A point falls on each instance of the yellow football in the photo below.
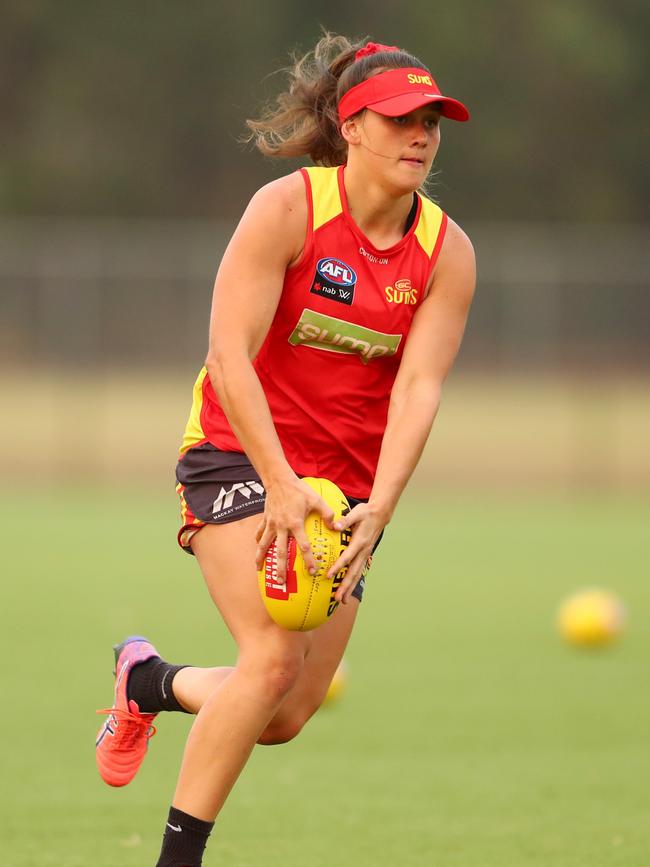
(307, 601)
(591, 618)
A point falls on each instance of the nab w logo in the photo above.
(334, 280)
(227, 498)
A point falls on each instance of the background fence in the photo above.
(104, 324)
(98, 293)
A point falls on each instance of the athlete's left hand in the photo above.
(367, 523)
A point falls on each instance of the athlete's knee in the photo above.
(274, 672)
(286, 726)
(280, 675)
(283, 732)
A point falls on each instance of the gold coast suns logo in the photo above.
(401, 293)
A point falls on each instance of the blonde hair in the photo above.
(304, 119)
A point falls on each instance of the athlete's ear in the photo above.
(350, 129)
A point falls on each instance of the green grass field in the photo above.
(469, 735)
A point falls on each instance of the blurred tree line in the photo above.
(136, 108)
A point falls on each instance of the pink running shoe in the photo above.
(122, 741)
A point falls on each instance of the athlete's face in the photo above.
(403, 146)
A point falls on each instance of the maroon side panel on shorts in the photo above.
(220, 486)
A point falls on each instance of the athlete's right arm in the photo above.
(268, 239)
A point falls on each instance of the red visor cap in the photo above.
(397, 92)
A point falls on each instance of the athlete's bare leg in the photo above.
(192, 686)
(326, 651)
(242, 701)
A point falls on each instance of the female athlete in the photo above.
(338, 310)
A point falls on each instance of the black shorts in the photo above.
(218, 487)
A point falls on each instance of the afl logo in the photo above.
(336, 271)
(335, 280)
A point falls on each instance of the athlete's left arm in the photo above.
(432, 345)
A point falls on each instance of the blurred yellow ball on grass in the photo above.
(338, 685)
(591, 618)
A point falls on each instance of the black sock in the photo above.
(150, 686)
(184, 840)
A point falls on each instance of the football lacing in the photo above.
(322, 548)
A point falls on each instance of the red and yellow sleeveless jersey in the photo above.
(330, 358)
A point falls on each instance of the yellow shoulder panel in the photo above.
(193, 430)
(428, 227)
(325, 194)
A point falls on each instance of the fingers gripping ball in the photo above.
(307, 601)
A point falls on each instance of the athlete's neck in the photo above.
(381, 214)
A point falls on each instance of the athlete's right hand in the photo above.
(287, 505)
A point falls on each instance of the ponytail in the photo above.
(304, 120)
